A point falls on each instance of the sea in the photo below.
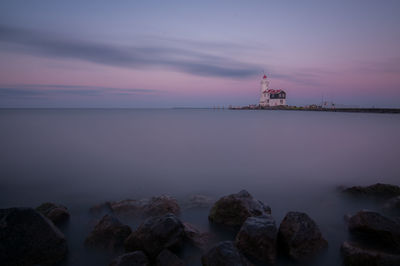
(290, 160)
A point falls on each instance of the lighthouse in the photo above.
(270, 97)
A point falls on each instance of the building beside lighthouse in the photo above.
(271, 97)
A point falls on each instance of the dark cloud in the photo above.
(38, 90)
(188, 60)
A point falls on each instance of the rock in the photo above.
(195, 237)
(156, 206)
(101, 209)
(393, 205)
(56, 213)
(198, 201)
(379, 191)
(108, 234)
(156, 234)
(355, 255)
(234, 209)
(299, 236)
(224, 254)
(376, 229)
(28, 238)
(167, 258)
(257, 238)
(161, 205)
(136, 258)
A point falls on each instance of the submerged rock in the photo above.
(379, 191)
(56, 213)
(156, 234)
(108, 234)
(224, 254)
(28, 238)
(195, 237)
(299, 236)
(355, 255)
(136, 258)
(257, 238)
(167, 258)
(234, 209)
(376, 229)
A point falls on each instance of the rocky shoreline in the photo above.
(31, 236)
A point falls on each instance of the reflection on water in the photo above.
(290, 160)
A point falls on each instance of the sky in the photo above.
(139, 54)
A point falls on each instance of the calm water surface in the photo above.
(290, 160)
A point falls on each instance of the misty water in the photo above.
(291, 160)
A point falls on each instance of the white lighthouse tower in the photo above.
(264, 91)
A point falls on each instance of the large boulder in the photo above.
(299, 236)
(28, 238)
(224, 254)
(195, 237)
(234, 209)
(56, 213)
(109, 233)
(355, 255)
(136, 258)
(156, 234)
(167, 258)
(376, 229)
(379, 191)
(257, 238)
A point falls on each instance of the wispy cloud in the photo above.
(191, 59)
(39, 90)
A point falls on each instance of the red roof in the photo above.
(265, 76)
(274, 91)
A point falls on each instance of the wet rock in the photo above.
(167, 258)
(109, 233)
(161, 205)
(355, 255)
(195, 237)
(198, 201)
(56, 213)
(28, 238)
(156, 234)
(137, 258)
(224, 254)
(128, 207)
(257, 238)
(376, 229)
(234, 209)
(393, 205)
(379, 191)
(299, 236)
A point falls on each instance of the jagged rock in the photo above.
(380, 191)
(136, 258)
(393, 205)
(377, 229)
(56, 213)
(195, 237)
(156, 234)
(299, 236)
(355, 255)
(161, 205)
(198, 201)
(28, 238)
(257, 238)
(167, 258)
(108, 234)
(234, 209)
(224, 254)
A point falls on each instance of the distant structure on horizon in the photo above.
(271, 97)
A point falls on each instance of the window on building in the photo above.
(281, 101)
